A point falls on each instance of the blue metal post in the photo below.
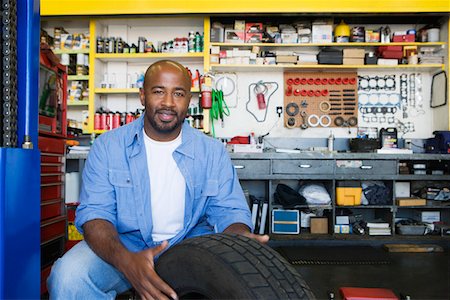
(20, 172)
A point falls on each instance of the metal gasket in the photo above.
(290, 123)
(292, 109)
(328, 120)
(324, 106)
(313, 120)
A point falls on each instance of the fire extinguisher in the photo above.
(206, 92)
(260, 89)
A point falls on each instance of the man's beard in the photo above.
(164, 127)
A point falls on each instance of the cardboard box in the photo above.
(411, 202)
(253, 37)
(285, 221)
(322, 33)
(402, 189)
(234, 36)
(429, 216)
(319, 225)
(287, 59)
(289, 38)
(254, 28)
(372, 36)
(239, 25)
(353, 53)
(407, 38)
(353, 61)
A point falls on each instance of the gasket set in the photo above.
(322, 99)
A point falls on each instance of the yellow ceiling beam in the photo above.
(133, 7)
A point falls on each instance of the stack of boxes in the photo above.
(353, 56)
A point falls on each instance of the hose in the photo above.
(219, 108)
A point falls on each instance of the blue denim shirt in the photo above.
(116, 186)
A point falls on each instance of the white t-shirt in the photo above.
(167, 188)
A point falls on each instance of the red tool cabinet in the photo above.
(52, 144)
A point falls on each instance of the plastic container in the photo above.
(411, 229)
(348, 195)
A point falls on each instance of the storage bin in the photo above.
(348, 195)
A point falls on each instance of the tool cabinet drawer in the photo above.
(53, 228)
(303, 166)
(51, 177)
(51, 209)
(51, 145)
(365, 167)
(252, 166)
(51, 191)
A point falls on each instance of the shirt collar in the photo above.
(187, 136)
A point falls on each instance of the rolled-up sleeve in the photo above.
(97, 196)
(227, 205)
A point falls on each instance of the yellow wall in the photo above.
(111, 7)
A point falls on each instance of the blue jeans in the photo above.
(81, 274)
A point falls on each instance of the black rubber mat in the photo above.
(336, 255)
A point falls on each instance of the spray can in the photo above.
(129, 118)
(97, 121)
(191, 42)
(102, 122)
(330, 142)
(198, 42)
(116, 120)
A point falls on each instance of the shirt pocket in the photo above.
(125, 200)
(210, 188)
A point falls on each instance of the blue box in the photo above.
(285, 221)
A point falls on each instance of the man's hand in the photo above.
(137, 267)
(140, 271)
(243, 229)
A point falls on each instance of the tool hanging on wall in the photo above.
(261, 91)
(227, 83)
(219, 109)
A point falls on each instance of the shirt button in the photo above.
(128, 180)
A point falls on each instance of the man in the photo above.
(147, 186)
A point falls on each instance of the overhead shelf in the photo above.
(127, 90)
(219, 67)
(78, 77)
(78, 103)
(351, 44)
(116, 91)
(71, 51)
(136, 57)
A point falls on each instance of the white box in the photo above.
(322, 33)
(247, 148)
(305, 219)
(430, 216)
(342, 220)
(402, 189)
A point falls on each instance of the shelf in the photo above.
(127, 91)
(71, 51)
(116, 91)
(78, 77)
(138, 57)
(363, 206)
(220, 67)
(436, 44)
(423, 177)
(78, 103)
(99, 131)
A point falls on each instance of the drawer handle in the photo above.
(366, 167)
(239, 167)
(305, 166)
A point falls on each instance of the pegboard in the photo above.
(320, 99)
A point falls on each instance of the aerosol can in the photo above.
(330, 142)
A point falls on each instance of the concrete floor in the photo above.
(419, 275)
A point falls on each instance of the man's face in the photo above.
(166, 96)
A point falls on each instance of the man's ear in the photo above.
(142, 96)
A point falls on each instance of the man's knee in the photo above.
(65, 273)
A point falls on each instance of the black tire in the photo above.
(223, 266)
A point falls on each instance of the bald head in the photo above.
(166, 65)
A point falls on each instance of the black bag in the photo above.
(287, 196)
